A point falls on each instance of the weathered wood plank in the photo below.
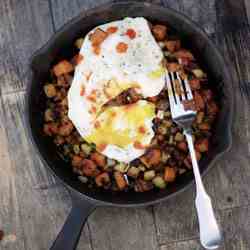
(231, 15)
(63, 11)
(247, 6)
(236, 224)
(187, 245)
(124, 229)
(202, 12)
(24, 27)
(33, 205)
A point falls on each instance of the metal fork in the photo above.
(179, 92)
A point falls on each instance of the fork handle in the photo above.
(210, 235)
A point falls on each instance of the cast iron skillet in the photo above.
(85, 200)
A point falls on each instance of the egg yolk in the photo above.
(123, 125)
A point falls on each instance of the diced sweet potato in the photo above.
(63, 67)
(77, 59)
(159, 32)
(97, 37)
(151, 158)
(202, 145)
(66, 128)
(199, 102)
(204, 126)
(169, 174)
(182, 146)
(102, 179)
(77, 161)
(173, 67)
(99, 159)
(195, 84)
(50, 128)
(183, 53)
(172, 46)
(89, 168)
(120, 180)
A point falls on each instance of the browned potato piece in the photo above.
(120, 180)
(173, 67)
(212, 108)
(172, 46)
(182, 146)
(202, 145)
(89, 168)
(48, 115)
(97, 37)
(151, 158)
(50, 90)
(204, 126)
(183, 53)
(63, 67)
(50, 128)
(59, 140)
(169, 174)
(102, 179)
(207, 95)
(77, 161)
(199, 102)
(195, 84)
(199, 117)
(66, 128)
(159, 32)
(99, 159)
(143, 186)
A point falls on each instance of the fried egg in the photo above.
(127, 57)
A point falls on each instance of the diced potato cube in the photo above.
(159, 182)
(149, 175)
(50, 90)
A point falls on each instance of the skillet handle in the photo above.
(69, 236)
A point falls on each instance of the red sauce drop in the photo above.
(102, 147)
(121, 47)
(112, 29)
(131, 33)
(138, 145)
(142, 130)
(97, 124)
(82, 91)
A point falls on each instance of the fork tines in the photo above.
(180, 95)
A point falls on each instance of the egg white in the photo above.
(141, 65)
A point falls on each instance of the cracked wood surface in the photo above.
(33, 205)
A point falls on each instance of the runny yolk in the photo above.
(124, 127)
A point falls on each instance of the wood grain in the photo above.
(124, 229)
(202, 12)
(24, 27)
(193, 244)
(31, 199)
(33, 205)
(63, 11)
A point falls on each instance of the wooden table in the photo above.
(33, 205)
